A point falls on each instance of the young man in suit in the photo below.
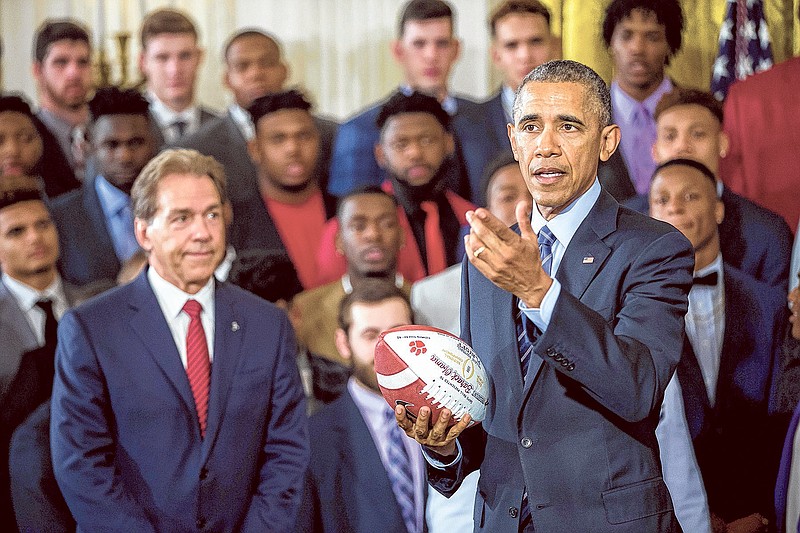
(753, 239)
(290, 210)
(148, 434)
(169, 61)
(365, 474)
(726, 372)
(426, 49)
(641, 36)
(62, 67)
(579, 319)
(254, 67)
(95, 223)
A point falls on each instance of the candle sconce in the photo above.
(104, 66)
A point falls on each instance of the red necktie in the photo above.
(198, 367)
(434, 242)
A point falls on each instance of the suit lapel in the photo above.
(736, 342)
(693, 388)
(96, 218)
(10, 313)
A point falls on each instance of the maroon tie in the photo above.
(198, 367)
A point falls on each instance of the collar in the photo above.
(507, 95)
(449, 103)
(370, 403)
(566, 223)
(224, 268)
(720, 188)
(171, 298)
(112, 200)
(347, 285)
(26, 296)
(243, 121)
(624, 105)
(166, 116)
(714, 266)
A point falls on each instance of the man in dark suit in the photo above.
(753, 239)
(426, 49)
(729, 361)
(365, 474)
(146, 436)
(579, 334)
(254, 67)
(169, 61)
(521, 41)
(95, 223)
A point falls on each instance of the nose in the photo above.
(547, 143)
(636, 44)
(10, 147)
(200, 228)
(674, 205)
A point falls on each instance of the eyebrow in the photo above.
(561, 118)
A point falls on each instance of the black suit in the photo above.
(54, 168)
(614, 177)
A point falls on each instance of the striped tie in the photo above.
(546, 240)
(198, 367)
(399, 471)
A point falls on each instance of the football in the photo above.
(421, 365)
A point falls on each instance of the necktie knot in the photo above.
(45, 305)
(192, 308)
(710, 279)
(180, 127)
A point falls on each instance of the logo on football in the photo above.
(423, 366)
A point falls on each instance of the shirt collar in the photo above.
(449, 104)
(112, 200)
(624, 105)
(566, 223)
(26, 296)
(166, 116)
(243, 121)
(714, 266)
(347, 285)
(507, 95)
(370, 403)
(172, 299)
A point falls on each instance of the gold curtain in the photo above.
(579, 23)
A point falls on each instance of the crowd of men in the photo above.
(618, 255)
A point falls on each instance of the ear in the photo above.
(342, 344)
(286, 71)
(337, 239)
(724, 144)
(141, 64)
(449, 143)
(225, 81)
(609, 140)
(252, 149)
(140, 231)
(495, 55)
(36, 68)
(380, 155)
(513, 139)
(201, 55)
(719, 212)
(654, 152)
(456, 49)
(396, 47)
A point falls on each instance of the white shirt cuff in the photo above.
(541, 316)
(438, 464)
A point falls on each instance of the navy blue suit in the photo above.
(353, 163)
(735, 446)
(496, 122)
(87, 252)
(347, 487)
(127, 451)
(579, 434)
(782, 484)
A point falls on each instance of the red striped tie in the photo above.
(198, 367)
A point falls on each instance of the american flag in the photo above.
(744, 45)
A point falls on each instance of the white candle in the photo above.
(101, 23)
(142, 8)
(123, 15)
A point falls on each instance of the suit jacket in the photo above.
(353, 163)
(18, 338)
(579, 434)
(735, 444)
(347, 487)
(495, 118)
(126, 445)
(762, 162)
(614, 177)
(222, 139)
(54, 167)
(206, 116)
(782, 485)
(87, 252)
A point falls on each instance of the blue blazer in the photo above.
(126, 445)
(782, 485)
(736, 448)
(496, 123)
(579, 434)
(347, 487)
(353, 163)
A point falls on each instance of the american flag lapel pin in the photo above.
(234, 326)
(588, 260)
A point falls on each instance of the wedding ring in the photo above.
(478, 252)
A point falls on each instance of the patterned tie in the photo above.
(50, 322)
(399, 471)
(180, 128)
(546, 241)
(434, 242)
(198, 367)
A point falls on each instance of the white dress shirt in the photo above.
(26, 297)
(243, 121)
(166, 118)
(171, 300)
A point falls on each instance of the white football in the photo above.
(421, 365)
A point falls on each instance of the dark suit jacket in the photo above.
(353, 164)
(206, 116)
(495, 118)
(614, 177)
(54, 168)
(782, 485)
(579, 434)
(222, 139)
(87, 252)
(737, 450)
(347, 487)
(127, 451)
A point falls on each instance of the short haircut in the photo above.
(416, 102)
(163, 21)
(269, 274)
(249, 32)
(668, 13)
(144, 194)
(16, 189)
(15, 103)
(370, 291)
(598, 96)
(680, 96)
(54, 30)
(687, 163)
(501, 160)
(116, 101)
(270, 103)
(359, 191)
(425, 10)
(517, 7)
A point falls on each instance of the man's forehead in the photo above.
(686, 114)
(23, 211)
(66, 46)
(15, 118)
(428, 28)
(363, 205)
(414, 120)
(549, 97)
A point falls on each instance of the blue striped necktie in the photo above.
(399, 471)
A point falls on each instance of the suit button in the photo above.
(550, 352)
(526, 442)
(201, 523)
(203, 474)
(570, 367)
(513, 512)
